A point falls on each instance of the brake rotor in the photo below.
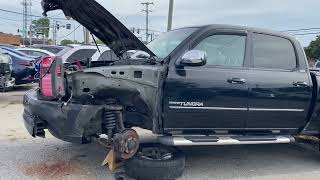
(126, 143)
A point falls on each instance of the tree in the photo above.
(66, 42)
(99, 42)
(41, 26)
(313, 50)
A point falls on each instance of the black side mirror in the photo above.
(194, 58)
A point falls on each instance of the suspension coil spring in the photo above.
(109, 121)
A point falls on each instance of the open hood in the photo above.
(99, 22)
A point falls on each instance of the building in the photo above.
(10, 39)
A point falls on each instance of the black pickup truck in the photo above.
(204, 85)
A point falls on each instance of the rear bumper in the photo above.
(24, 76)
(71, 123)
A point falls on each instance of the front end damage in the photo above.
(103, 100)
(100, 102)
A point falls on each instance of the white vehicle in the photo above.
(80, 53)
(6, 80)
(35, 52)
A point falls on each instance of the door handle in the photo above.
(300, 84)
(236, 81)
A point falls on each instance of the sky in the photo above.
(277, 15)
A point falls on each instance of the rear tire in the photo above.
(144, 167)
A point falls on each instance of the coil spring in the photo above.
(110, 118)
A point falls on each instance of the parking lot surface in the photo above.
(23, 157)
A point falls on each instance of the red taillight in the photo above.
(52, 77)
(45, 65)
(46, 76)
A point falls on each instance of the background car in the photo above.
(82, 53)
(51, 48)
(8, 45)
(35, 52)
(18, 52)
(23, 69)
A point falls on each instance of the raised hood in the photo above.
(100, 22)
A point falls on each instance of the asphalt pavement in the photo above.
(23, 157)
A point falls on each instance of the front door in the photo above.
(214, 96)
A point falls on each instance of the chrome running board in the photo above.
(222, 140)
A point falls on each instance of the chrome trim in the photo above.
(237, 109)
(264, 109)
(223, 140)
(209, 108)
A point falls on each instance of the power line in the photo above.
(16, 20)
(304, 29)
(309, 33)
(69, 33)
(14, 12)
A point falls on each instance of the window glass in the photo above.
(272, 52)
(108, 56)
(26, 52)
(54, 50)
(37, 53)
(82, 54)
(64, 51)
(167, 42)
(224, 50)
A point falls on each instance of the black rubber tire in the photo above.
(146, 169)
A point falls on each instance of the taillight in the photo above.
(45, 65)
(51, 77)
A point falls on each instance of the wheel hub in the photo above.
(127, 143)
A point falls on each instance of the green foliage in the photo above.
(99, 42)
(41, 26)
(76, 42)
(313, 50)
(66, 42)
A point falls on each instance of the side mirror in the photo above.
(194, 58)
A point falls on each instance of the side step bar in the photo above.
(223, 140)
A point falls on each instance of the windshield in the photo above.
(65, 50)
(54, 50)
(166, 43)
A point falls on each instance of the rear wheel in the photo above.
(157, 162)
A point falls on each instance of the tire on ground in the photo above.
(146, 169)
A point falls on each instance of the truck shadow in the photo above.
(249, 161)
(54, 159)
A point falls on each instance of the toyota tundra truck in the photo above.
(201, 85)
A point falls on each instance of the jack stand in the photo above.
(112, 161)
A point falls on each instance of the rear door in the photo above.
(280, 91)
(213, 96)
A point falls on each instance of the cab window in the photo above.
(224, 50)
(272, 52)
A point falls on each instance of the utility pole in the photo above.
(74, 31)
(170, 14)
(54, 32)
(147, 11)
(26, 11)
(30, 36)
(86, 35)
